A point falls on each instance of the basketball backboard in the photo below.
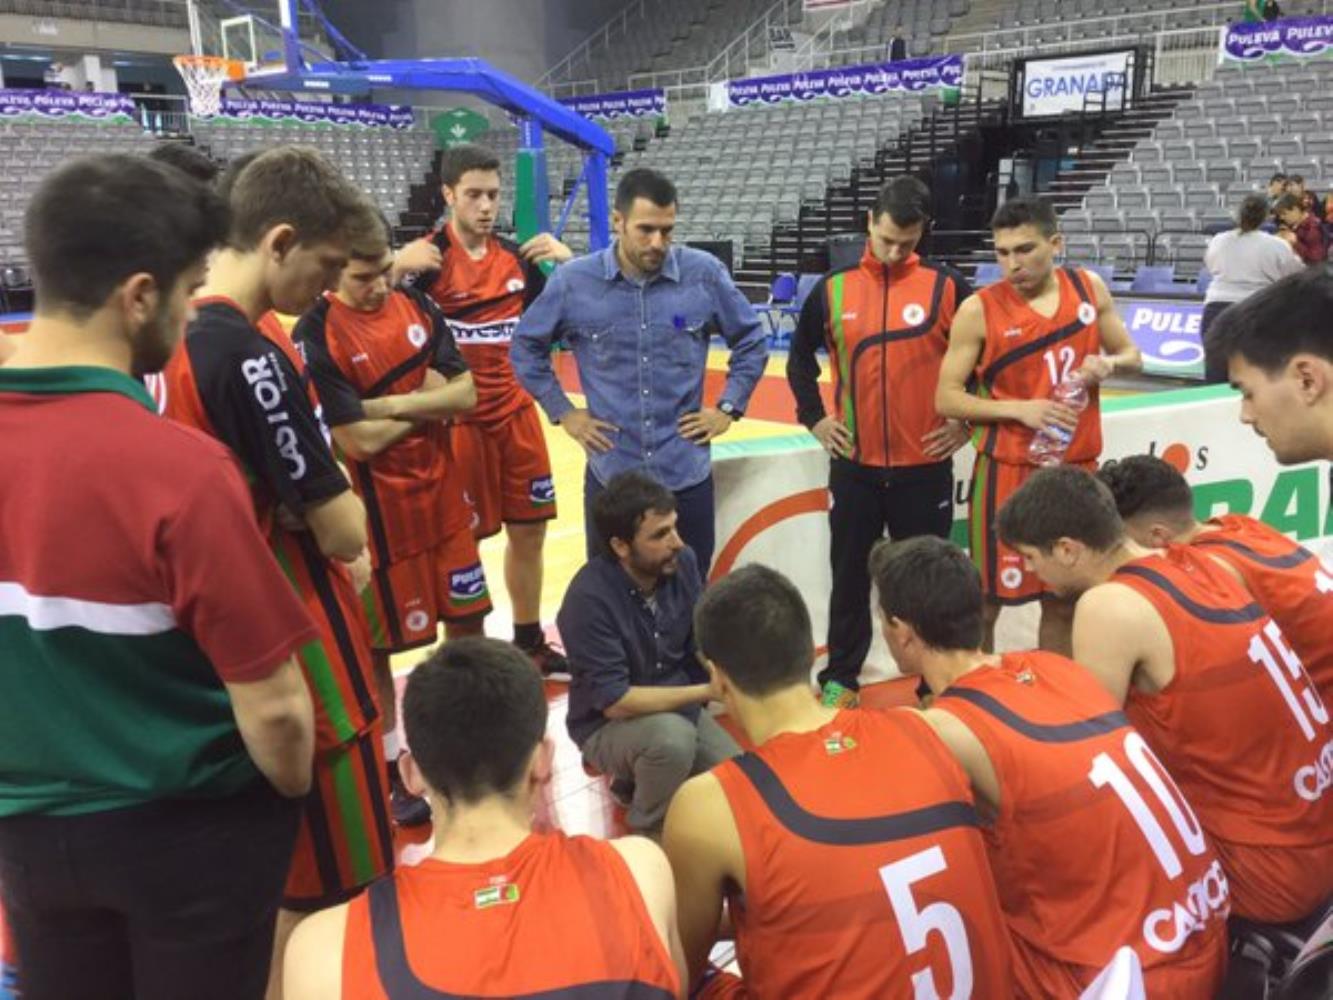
(263, 35)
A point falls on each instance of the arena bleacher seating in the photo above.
(384, 162)
(1186, 179)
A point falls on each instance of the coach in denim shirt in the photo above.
(636, 707)
(636, 316)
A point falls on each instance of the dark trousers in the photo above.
(867, 502)
(694, 518)
(1214, 365)
(158, 902)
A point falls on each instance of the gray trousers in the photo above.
(657, 752)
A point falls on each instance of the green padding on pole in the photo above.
(526, 222)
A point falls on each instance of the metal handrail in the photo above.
(843, 20)
(720, 62)
(603, 33)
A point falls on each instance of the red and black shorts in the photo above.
(406, 600)
(506, 470)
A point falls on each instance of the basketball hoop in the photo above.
(204, 76)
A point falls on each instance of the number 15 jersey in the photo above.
(865, 871)
(1242, 729)
(1027, 355)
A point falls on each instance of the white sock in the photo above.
(393, 746)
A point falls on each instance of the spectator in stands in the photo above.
(1277, 187)
(1279, 347)
(1272, 11)
(1242, 261)
(636, 706)
(892, 454)
(1300, 228)
(638, 317)
(897, 47)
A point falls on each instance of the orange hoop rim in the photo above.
(234, 68)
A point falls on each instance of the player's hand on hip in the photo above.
(588, 431)
(1039, 413)
(946, 439)
(544, 247)
(834, 437)
(419, 255)
(1096, 368)
(703, 426)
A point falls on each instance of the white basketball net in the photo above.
(203, 76)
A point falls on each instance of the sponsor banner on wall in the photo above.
(908, 75)
(772, 496)
(63, 103)
(1295, 37)
(1168, 334)
(1068, 84)
(316, 112)
(624, 104)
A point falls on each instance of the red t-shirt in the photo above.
(133, 582)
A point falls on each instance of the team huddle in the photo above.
(1155, 778)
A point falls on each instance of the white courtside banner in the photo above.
(772, 499)
(1065, 85)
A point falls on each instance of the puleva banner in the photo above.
(63, 103)
(1168, 334)
(623, 104)
(1297, 37)
(316, 112)
(772, 494)
(908, 75)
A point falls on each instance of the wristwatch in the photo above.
(731, 410)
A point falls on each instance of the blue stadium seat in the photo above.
(987, 274)
(1202, 282)
(1154, 279)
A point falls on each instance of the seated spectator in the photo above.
(1272, 11)
(636, 707)
(1300, 229)
(1035, 728)
(1242, 261)
(832, 839)
(1206, 676)
(1277, 187)
(580, 912)
(897, 47)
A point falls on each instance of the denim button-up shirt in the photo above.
(641, 350)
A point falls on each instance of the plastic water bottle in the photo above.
(1049, 444)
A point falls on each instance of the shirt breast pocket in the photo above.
(599, 343)
(689, 345)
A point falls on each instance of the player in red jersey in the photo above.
(293, 218)
(1286, 578)
(838, 883)
(1092, 845)
(388, 374)
(483, 283)
(1017, 340)
(497, 910)
(1206, 676)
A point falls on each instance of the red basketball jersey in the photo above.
(1027, 355)
(1071, 771)
(1290, 583)
(865, 870)
(483, 300)
(247, 386)
(413, 499)
(559, 916)
(1241, 728)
